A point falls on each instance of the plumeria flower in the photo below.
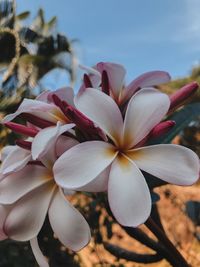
(128, 193)
(44, 107)
(30, 193)
(110, 78)
(44, 115)
(13, 158)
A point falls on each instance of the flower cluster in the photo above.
(95, 141)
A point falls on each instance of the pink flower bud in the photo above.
(59, 103)
(157, 131)
(183, 94)
(83, 123)
(86, 80)
(24, 144)
(41, 123)
(161, 129)
(105, 82)
(21, 129)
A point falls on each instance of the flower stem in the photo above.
(175, 254)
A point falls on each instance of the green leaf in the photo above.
(23, 15)
(52, 23)
(182, 118)
(38, 22)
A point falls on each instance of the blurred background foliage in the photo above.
(190, 135)
(27, 53)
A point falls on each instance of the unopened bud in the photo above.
(59, 103)
(105, 82)
(83, 123)
(24, 144)
(180, 96)
(161, 129)
(21, 129)
(87, 81)
(41, 123)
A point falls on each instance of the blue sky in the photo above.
(142, 35)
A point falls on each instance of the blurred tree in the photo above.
(27, 53)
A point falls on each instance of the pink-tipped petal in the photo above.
(40, 258)
(17, 184)
(145, 109)
(82, 163)
(128, 194)
(68, 224)
(65, 94)
(15, 160)
(101, 109)
(44, 96)
(116, 74)
(147, 79)
(90, 70)
(172, 163)
(28, 214)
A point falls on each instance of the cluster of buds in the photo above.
(96, 141)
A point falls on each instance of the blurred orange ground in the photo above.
(178, 226)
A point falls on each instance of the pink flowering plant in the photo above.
(110, 144)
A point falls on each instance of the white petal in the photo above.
(82, 163)
(64, 143)
(99, 184)
(101, 109)
(172, 163)
(15, 160)
(128, 193)
(68, 224)
(38, 108)
(147, 79)
(28, 214)
(65, 94)
(40, 258)
(145, 109)
(90, 70)
(5, 151)
(3, 215)
(116, 74)
(17, 184)
(46, 139)
(43, 96)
